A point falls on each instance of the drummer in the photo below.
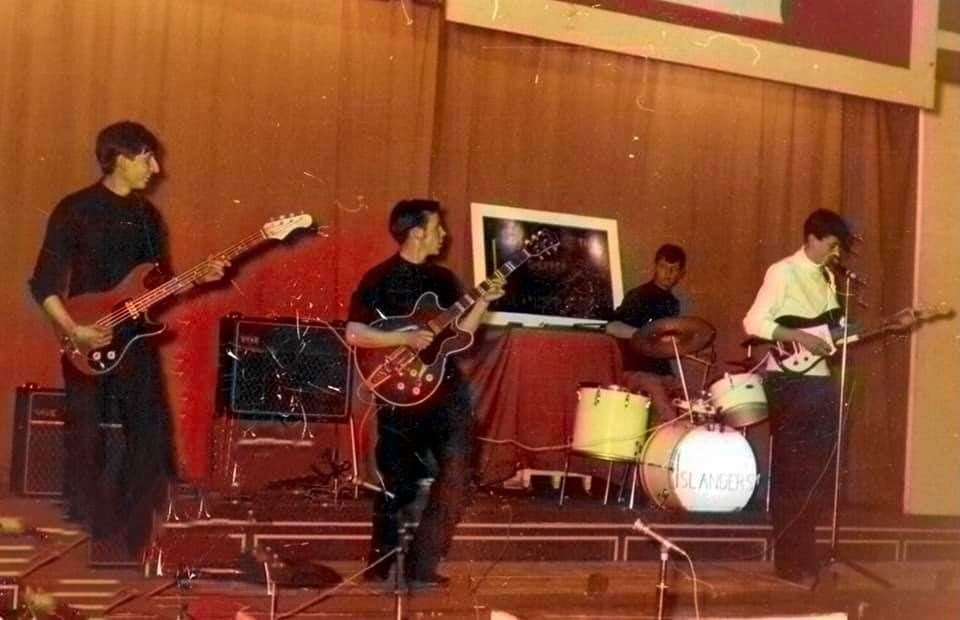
(650, 302)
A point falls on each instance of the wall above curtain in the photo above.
(880, 49)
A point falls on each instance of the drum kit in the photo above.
(698, 462)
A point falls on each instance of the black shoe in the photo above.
(427, 582)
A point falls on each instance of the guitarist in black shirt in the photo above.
(441, 425)
(94, 238)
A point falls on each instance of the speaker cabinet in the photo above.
(38, 454)
(37, 466)
(284, 368)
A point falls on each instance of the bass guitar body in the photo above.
(402, 376)
(88, 308)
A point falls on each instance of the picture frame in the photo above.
(578, 285)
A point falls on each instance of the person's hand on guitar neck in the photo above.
(495, 291)
(213, 270)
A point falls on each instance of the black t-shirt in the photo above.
(393, 287)
(94, 239)
(641, 305)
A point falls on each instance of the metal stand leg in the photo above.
(662, 586)
(834, 557)
(566, 471)
(398, 591)
(606, 491)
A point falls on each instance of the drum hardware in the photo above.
(700, 410)
(673, 336)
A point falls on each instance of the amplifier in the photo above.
(37, 463)
(284, 368)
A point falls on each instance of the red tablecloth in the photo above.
(525, 383)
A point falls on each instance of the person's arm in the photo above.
(49, 281)
(362, 313)
(82, 336)
(760, 320)
(619, 329)
(471, 321)
(367, 337)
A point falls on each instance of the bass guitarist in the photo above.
(94, 238)
(440, 427)
(803, 406)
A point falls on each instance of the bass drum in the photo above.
(610, 423)
(708, 468)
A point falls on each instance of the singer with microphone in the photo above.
(802, 406)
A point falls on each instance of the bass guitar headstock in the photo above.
(280, 227)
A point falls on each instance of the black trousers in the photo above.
(407, 438)
(804, 427)
(118, 493)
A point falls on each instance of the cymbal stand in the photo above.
(683, 380)
(833, 556)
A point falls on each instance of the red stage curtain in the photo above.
(341, 108)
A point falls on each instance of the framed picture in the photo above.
(579, 284)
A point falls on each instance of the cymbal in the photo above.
(656, 338)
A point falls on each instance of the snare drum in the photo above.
(698, 468)
(740, 399)
(610, 423)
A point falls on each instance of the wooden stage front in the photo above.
(516, 552)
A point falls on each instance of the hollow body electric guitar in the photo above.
(795, 358)
(404, 377)
(124, 307)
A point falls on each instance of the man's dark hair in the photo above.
(671, 253)
(125, 138)
(823, 223)
(408, 214)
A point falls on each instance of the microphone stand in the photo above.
(833, 556)
(662, 586)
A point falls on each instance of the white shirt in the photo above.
(794, 286)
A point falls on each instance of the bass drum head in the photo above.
(698, 468)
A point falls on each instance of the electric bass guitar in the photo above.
(795, 358)
(404, 377)
(124, 308)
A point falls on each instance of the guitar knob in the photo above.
(429, 378)
(401, 386)
(415, 391)
(111, 355)
(96, 356)
(413, 373)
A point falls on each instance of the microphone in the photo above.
(844, 272)
(641, 527)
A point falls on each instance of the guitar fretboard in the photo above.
(445, 318)
(139, 305)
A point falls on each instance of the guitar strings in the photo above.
(144, 301)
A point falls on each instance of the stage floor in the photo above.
(517, 552)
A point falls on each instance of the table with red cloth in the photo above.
(525, 384)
